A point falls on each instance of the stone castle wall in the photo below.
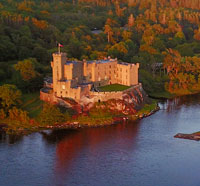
(74, 79)
(105, 96)
(47, 96)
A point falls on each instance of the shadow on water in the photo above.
(55, 136)
(9, 138)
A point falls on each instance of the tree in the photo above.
(9, 96)
(41, 54)
(18, 115)
(118, 50)
(51, 115)
(131, 20)
(126, 35)
(26, 69)
(2, 114)
(76, 48)
(185, 50)
(109, 32)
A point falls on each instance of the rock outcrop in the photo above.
(126, 102)
(194, 136)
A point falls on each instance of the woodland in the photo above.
(162, 35)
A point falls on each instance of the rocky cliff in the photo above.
(129, 102)
(132, 101)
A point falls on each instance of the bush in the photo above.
(18, 115)
(51, 114)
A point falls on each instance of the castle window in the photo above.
(63, 87)
(110, 66)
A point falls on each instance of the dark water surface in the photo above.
(140, 153)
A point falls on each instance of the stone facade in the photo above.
(79, 79)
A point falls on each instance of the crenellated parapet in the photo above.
(75, 79)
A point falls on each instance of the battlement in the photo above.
(74, 79)
(59, 54)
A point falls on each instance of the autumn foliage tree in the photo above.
(183, 72)
(131, 30)
(26, 69)
(9, 96)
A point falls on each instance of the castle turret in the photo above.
(59, 60)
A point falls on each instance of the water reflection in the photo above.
(176, 103)
(56, 136)
(138, 153)
(9, 139)
(94, 142)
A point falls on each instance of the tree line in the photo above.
(162, 35)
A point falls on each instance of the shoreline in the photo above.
(171, 96)
(76, 125)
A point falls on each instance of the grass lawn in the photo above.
(161, 95)
(32, 103)
(113, 87)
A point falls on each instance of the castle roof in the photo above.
(71, 62)
(99, 61)
(124, 63)
(93, 61)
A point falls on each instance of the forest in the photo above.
(162, 35)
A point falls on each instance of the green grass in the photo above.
(161, 95)
(32, 104)
(197, 133)
(148, 108)
(113, 87)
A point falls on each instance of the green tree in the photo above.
(41, 54)
(185, 50)
(118, 50)
(75, 48)
(9, 96)
(51, 115)
(18, 115)
(26, 69)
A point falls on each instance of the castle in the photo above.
(80, 79)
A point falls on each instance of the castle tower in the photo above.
(59, 60)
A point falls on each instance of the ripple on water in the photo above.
(138, 153)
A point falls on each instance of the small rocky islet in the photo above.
(194, 136)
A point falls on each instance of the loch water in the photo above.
(142, 153)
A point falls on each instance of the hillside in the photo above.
(131, 30)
